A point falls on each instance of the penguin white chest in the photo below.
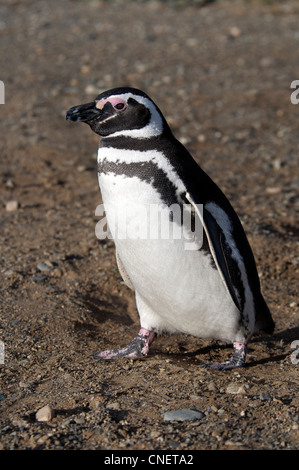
(127, 202)
(177, 289)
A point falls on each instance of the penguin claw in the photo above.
(113, 354)
(237, 360)
(229, 365)
(137, 349)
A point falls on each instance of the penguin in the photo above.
(200, 278)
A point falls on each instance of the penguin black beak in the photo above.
(83, 113)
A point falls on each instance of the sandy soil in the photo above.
(221, 74)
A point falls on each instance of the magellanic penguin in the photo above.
(210, 290)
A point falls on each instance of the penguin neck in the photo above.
(132, 143)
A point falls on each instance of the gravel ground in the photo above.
(222, 75)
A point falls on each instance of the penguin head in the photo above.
(120, 111)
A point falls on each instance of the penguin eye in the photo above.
(119, 106)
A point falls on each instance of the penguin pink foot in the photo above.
(137, 348)
(237, 360)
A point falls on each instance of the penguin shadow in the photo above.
(99, 311)
(279, 342)
(276, 344)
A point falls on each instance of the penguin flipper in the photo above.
(123, 272)
(221, 254)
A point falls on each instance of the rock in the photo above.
(277, 164)
(56, 272)
(41, 440)
(212, 387)
(113, 405)
(79, 420)
(266, 62)
(81, 168)
(39, 278)
(91, 90)
(201, 138)
(214, 408)
(43, 267)
(12, 206)
(45, 414)
(25, 384)
(233, 443)
(236, 389)
(9, 272)
(85, 69)
(10, 184)
(96, 403)
(234, 32)
(265, 397)
(273, 190)
(183, 415)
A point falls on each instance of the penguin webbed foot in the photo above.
(136, 349)
(237, 360)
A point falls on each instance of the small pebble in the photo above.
(25, 384)
(95, 403)
(41, 440)
(212, 387)
(12, 206)
(91, 90)
(234, 32)
(42, 267)
(265, 397)
(39, 278)
(236, 389)
(10, 184)
(273, 190)
(81, 168)
(113, 406)
(183, 415)
(9, 272)
(79, 420)
(201, 138)
(277, 164)
(45, 414)
(85, 69)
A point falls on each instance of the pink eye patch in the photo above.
(117, 103)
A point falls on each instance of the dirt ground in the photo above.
(221, 74)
